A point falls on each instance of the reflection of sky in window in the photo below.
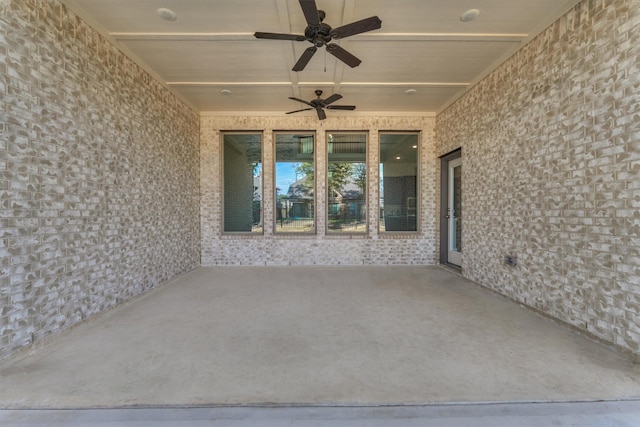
(285, 175)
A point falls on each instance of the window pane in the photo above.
(347, 182)
(295, 183)
(398, 181)
(242, 183)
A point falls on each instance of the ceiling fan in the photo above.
(320, 34)
(320, 104)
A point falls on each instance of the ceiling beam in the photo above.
(359, 37)
(311, 84)
(410, 84)
(436, 37)
(287, 83)
(285, 27)
(347, 17)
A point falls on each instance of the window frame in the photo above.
(222, 182)
(365, 231)
(417, 199)
(315, 184)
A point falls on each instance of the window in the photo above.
(242, 168)
(346, 182)
(295, 183)
(398, 181)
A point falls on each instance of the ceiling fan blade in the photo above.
(343, 55)
(304, 58)
(310, 11)
(332, 98)
(302, 100)
(278, 36)
(362, 26)
(321, 114)
(341, 107)
(297, 111)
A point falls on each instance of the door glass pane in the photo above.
(456, 209)
(295, 183)
(398, 181)
(242, 182)
(346, 182)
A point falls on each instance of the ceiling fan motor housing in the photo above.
(320, 35)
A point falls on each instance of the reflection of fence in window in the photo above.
(398, 181)
(242, 182)
(348, 215)
(346, 183)
(295, 216)
(295, 183)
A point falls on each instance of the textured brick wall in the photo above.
(99, 175)
(551, 172)
(270, 249)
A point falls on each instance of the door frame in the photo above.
(444, 199)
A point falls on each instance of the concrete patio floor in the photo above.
(318, 336)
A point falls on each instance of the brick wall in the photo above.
(270, 249)
(551, 172)
(99, 175)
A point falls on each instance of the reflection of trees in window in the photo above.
(306, 170)
(347, 197)
(339, 174)
(360, 177)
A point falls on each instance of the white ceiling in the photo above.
(422, 45)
